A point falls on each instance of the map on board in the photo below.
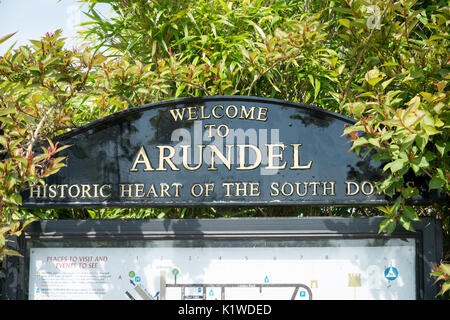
(255, 272)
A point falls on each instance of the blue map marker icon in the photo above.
(391, 273)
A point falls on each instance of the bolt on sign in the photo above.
(212, 151)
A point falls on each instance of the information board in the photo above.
(237, 269)
(223, 259)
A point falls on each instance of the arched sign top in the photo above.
(198, 101)
(212, 151)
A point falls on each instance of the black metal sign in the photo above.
(212, 151)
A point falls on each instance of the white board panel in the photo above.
(333, 269)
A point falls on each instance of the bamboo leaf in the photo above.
(6, 37)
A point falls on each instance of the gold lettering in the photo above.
(231, 111)
(349, 188)
(274, 192)
(192, 112)
(315, 187)
(77, 191)
(227, 185)
(63, 190)
(95, 190)
(262, 114)
(234, 115)
(102, 193)
(209, 189)
(210, 126)
(32, 191)
(145, 160)
(283, 191)
(226, 131)
(44, 193)
(271, 155)
(250, 115)
(52, 191)
(177, 114)
(164, 190)
(152, 192)
(85, 188)
(214, 111)
(73, 191)
(331, 188)
(194, 193)
(297, 165)
(186, 151)
(258, 159)
(254, 189)
(202, 113)
(177, 189)
(363, 188)
(139, 190)
(166, 158)
(215, 151)
(123, 191)
(298, 189)
(241, 189)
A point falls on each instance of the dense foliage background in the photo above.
(383, 63)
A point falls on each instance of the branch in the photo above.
(36, 132)
(273, 65)
(128, 100)
(198, 86)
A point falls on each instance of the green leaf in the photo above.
(373, 76)
(258, 28)
(436, 183)
(384, 84)
(180, 89)
(374, 142)
(414, 103)
(445, 287)
(6, 37)
(410, 192)
(9, 252)
(357, 108)
(344, 22)
(410, 213)
(316, 88)
(395, 165)
(359, 142)
(17, 198)
(92, 214)
(388, 225)
(180, 14)
(5, 111)
(406, 223)
(419, 162)
(421, 141)
(374, 81)
(431, 130)
(445, 267)
(441, 146)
